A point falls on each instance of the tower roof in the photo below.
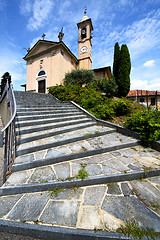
(85, 17)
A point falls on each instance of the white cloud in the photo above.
(41, 11)
(154, 84)
(2, 4)
(25, 7)
(143, 35)
(38, 10)
(12, 62)
(149, 63)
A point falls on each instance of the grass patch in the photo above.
(43, 181)
(88, 134)
(82, 173)
(55, 192)
(132, 229)
(97, 132)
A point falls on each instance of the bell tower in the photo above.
(84, 43)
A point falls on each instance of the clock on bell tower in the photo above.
(84, 44)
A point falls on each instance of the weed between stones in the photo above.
(88, 134)
(43, 181)
(84, 149)
(82, 174)
(132, 229)
(55, 192)
(155, 205)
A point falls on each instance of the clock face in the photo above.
(83, 49)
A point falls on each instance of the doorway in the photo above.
(42, 86)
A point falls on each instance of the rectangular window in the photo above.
(141, 100)
(153, 101)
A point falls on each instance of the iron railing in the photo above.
(7, 135)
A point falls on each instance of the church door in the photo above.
(42, 86)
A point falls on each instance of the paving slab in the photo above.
(103, 206)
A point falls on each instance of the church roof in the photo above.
(48, 46)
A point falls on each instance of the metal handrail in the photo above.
(9, 130)
(13, 116)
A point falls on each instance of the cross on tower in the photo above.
(85, 10)
(43, 35)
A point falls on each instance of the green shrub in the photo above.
(79, 77)
(110, 87)
(58, 92)
(90, 98)
(104, 111)
(122, 107)
(147, 123)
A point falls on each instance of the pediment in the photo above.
(39, 47)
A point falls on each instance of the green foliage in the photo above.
(110, 87)
(131, 229)
(121, 69)
(116, 60)
(122, 107)
(82, 173)
(79, 77)
(147, 123)
(4, 80)
(92, 100)
(104, 111)
(123, 80)
(55, 192)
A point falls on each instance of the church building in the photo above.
(48, 61)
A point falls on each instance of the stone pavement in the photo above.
(74, 174)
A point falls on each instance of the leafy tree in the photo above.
(116, 61)
(79, 77)
(4, 78)
(109, 87)
(123, 80)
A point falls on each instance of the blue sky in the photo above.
(132, 22)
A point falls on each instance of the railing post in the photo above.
(1, 139)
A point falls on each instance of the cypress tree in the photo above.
(116, 61)
(4, 78)
(123, 80)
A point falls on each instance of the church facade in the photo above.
(48, 61)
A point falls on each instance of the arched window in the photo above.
(41, 73)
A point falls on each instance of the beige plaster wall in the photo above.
(5, 112)
(54, 64)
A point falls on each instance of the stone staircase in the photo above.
(73, 175)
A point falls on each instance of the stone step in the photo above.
(47, 116)
(33, 129)
(38, 103)
(66, 138)
(105, 206)
(45, 108)
(62, 154)
(30, 95)
(54, 111)
(72, 182)
(48, 133)
(117, 165)
(49, 120)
